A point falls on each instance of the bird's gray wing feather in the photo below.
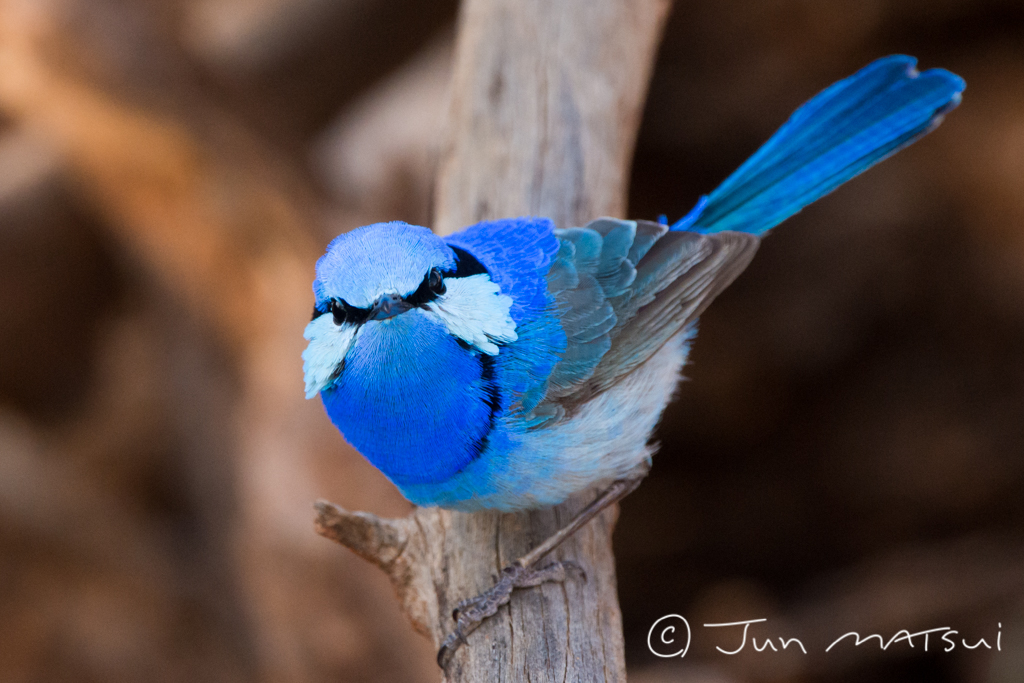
(623, 289)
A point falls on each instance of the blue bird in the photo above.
(515, 363)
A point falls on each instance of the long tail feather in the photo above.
(841, 132)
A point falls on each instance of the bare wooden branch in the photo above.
(546, 102)
(375, 539)
(398, 546)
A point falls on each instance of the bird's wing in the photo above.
(623, 289)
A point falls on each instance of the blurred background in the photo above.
(847, 456)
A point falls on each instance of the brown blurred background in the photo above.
(847, 456)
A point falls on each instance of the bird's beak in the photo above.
(388, 306)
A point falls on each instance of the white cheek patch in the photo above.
(328, 345)
(474, 310)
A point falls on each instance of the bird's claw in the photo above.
(470, 613)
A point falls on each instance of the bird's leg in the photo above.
(523, 573)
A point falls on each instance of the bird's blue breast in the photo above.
(416, 403)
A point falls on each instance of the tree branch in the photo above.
(375, 539)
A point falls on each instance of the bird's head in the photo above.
(376, 273)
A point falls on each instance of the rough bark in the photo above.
(546, 101)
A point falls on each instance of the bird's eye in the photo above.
(338, 311)
(435, 282)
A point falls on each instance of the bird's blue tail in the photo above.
(844, 130)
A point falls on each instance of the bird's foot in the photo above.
(524, 573)
(472, 612)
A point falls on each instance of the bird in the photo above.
(514, 363)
